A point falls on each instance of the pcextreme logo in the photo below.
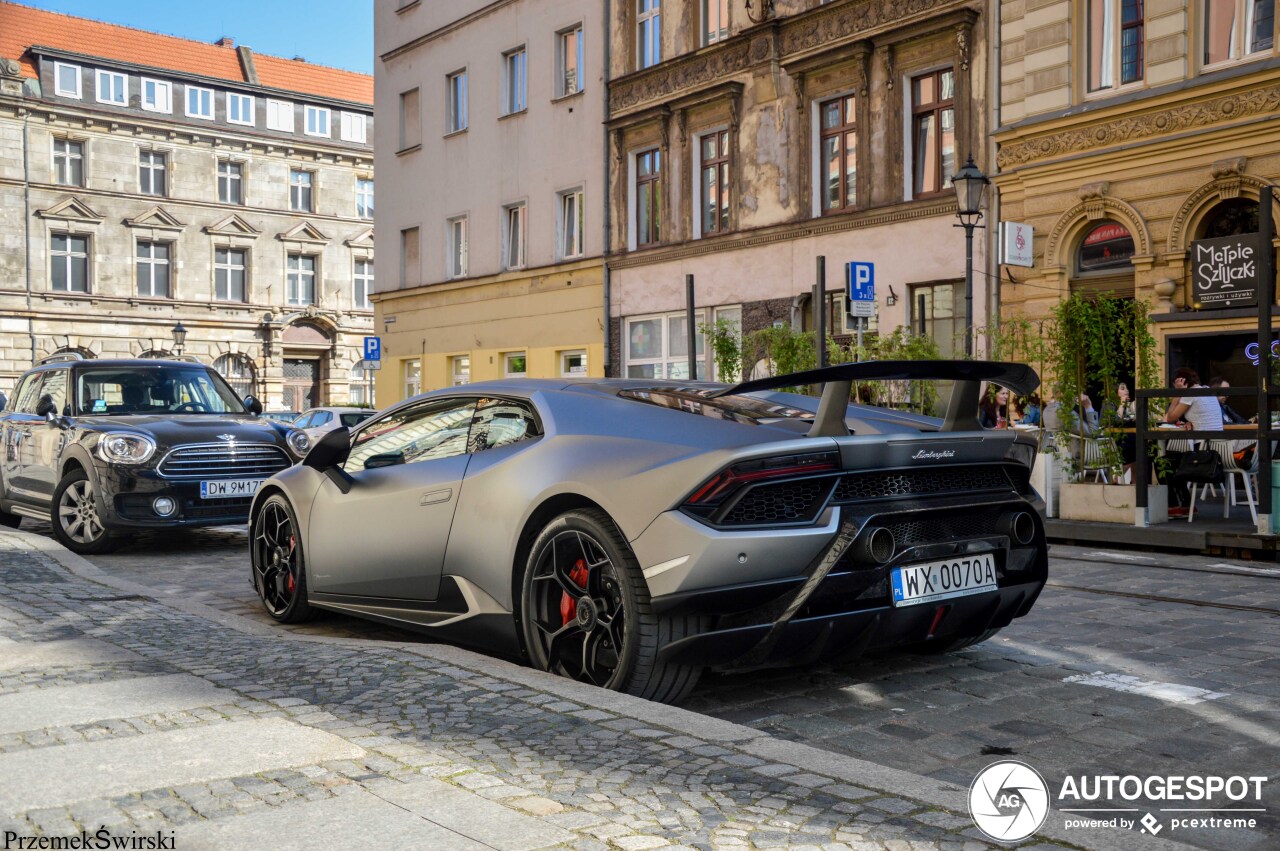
(1008, 801)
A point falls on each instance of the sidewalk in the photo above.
(149, 714)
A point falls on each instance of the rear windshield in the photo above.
(351, 420)
(743, 409)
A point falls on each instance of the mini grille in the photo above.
(786, 502)
(857, 487)
(937, 530)
(224, 461)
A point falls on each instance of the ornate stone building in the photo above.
(746, 139)
(1126, 131)
(148, 181)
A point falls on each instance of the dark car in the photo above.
(99, 447)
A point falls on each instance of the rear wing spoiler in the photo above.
(837, 382)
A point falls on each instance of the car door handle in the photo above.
(433, 497)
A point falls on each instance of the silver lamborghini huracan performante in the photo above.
(633, 533)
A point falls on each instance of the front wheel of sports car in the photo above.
(278, 573)
(587, 613)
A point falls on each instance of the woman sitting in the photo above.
(993, 409)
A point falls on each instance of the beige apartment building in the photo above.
(1126, 131)
(748, 139)
(491, 216)
(148, 181)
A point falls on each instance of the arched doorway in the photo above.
(1102, 268)
(307, 345)
(240, 373)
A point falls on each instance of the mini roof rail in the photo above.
(186, 358)
(59, 357)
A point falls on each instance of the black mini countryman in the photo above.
(103, 447)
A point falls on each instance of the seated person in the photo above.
(1229, 415)
(1082, 419)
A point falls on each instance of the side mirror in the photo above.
(330, 451)
(252, 405)
(45, 407)
(386, 459)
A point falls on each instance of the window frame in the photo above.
(237, 97)
(847, 101)
(460, 370)
(456, 263)
(648, 33)
(362, 280)
(410, 140)
(227, 180)
(935, 109)
(722, 164)
(518, 259)
(563, 89)
(68, 159)
(352, 120)
(1113, 61)
(411, 375)
(310, 110)
(916, 322)
(564, 251)
(705, 35)
(293, 295)
(281, 107)
(199, 92)
(562, 358)
(123, 79)
(160, 86)
(78, 92)
(296, 189)
(507, 372)
(650, 186)
(1238, 48)
(229, 268)
(86, 257)
(666, 357)
(150, 166)
(455, 91)
(365, 199)
(154, 264)
(515, 80)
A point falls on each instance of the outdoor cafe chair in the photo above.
(1226, 450)
(1091, 453)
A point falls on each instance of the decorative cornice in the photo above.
(784, 233)
(1094, 208)
(303, 232)
(157, 218)
(1226, 184)
(71, 210)
(1160, 122)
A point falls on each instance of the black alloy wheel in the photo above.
(586, 612)
(276, 552)
(76, 522)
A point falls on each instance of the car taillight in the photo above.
(722, 484)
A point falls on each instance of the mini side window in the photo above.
(24, 400)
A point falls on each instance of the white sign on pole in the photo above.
(1016, 244)
(370, 364)
(862, 308)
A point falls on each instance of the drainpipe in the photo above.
(26, 225)
(608, 230)
(993, 231)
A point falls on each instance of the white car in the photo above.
(319, 421)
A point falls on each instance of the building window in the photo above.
(1232, 217)
(570, 227)
(573, 363)
(933, 114)
(230, 182)
(514, 81)
(153, 269)
(658, 346)
(410, 120)
(151, 172)
(199, 102)
(1237, 28)
(839, 146)
(69, 263)
(364, 197)
(66, 80)
(1107, 246)
(68, 162)
(461, 368)
(937, 311)
(301, 281)
(363, 278)
(230, 273)
(240, 109)
(513, 236)
(412, 377)
(648, 192)
(569, 62)
(360, 390)
(156, 95)
(239, 372)
(456, 91)
(648, 32)
(300, 195)
(280, 115)
(410, 269)
(352, 127)
(317, 121)
(456, 267)
(1115, 40)
(113, 88)
(715, 21)
(714, 182)
(515, 365)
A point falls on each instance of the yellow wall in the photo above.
(541, 312)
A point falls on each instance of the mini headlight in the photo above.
(298, 442)
(125, 448)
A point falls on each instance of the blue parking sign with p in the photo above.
(862, 281)
(373, 348)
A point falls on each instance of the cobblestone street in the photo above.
(341, 721)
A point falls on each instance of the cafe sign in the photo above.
(1226, 272)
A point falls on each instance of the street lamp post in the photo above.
(970, 185)
(179, 336)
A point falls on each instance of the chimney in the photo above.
(226, 41)
(299, 59)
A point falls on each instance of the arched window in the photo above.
(361, 390)
(1229, 218)
(239, 372)
(1106, 247)
(87, 354)
(156, 354)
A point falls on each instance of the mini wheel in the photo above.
(76, 523)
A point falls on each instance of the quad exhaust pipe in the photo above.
(876, 545)
(1020, 526)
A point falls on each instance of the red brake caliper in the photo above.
(289, 583)
(568, 608)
